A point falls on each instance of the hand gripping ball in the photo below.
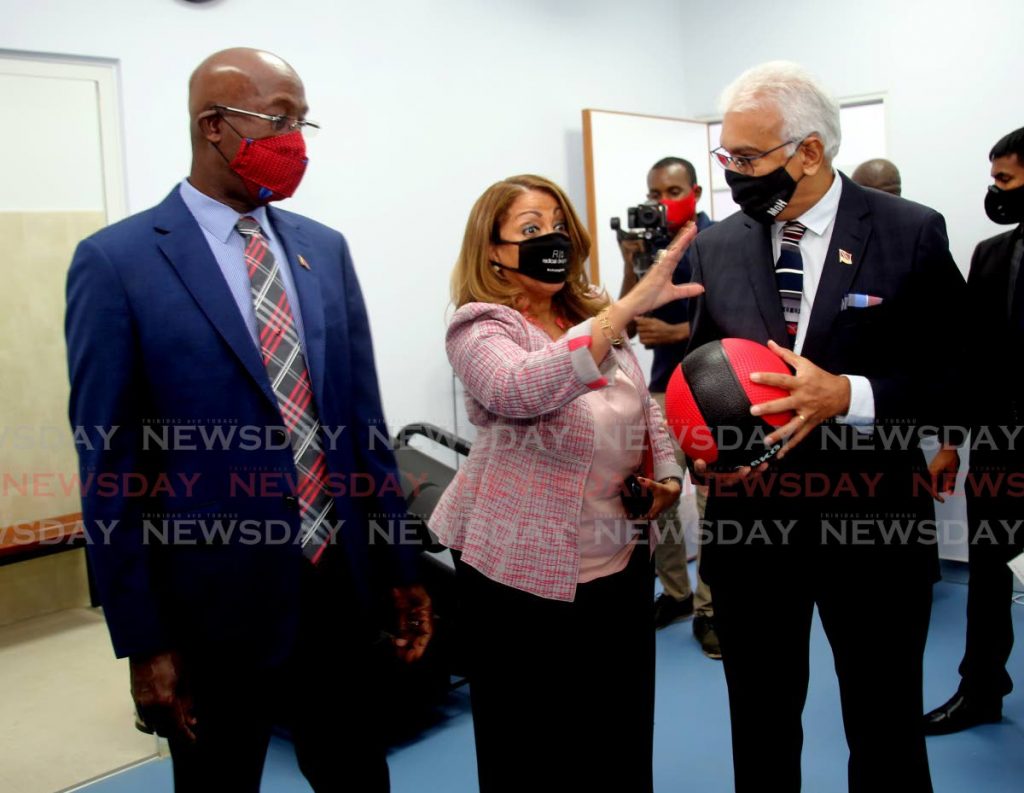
(708, 399)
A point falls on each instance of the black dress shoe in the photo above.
(668, 610)
(962, 712)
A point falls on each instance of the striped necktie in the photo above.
(789, 275)
(289, 378)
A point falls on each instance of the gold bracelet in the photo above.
(606, 328)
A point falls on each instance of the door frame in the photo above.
(104, 74)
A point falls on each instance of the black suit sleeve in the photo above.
(925, 378)
(994, 381)
(702, 327)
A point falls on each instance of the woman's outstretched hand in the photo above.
(656, 288)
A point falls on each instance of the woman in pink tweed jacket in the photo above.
(556, 595)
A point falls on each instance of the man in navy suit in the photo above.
(841, 282)
(248, 531)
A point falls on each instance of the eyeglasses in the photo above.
(741, 164)
(277, 123)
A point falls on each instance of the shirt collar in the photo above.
(820, 216)
(216, 218)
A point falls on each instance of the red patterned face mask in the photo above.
(271, 167)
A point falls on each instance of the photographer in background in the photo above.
(671, 183)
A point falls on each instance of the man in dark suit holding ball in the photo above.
(840, 282)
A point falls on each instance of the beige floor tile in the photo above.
(67, 713)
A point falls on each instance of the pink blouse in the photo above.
(606, 535)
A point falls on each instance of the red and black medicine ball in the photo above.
(708, 399)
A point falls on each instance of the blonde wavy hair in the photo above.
(474, 279)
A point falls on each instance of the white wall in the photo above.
(951, 73)
(423, 105)
(426, 103)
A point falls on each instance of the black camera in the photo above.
(648, 224)
(648, 215)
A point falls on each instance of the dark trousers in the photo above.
(324, 694)
(878, 660)
(563, 693)
(995, 537)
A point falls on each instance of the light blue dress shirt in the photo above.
(218, 221)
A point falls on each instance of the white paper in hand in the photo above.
(1017, 565)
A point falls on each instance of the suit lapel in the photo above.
(759, 263)
(182, 242)
(1000, 258)
(306, 272)
(999, 280)
(849, 235)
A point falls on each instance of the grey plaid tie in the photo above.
(286, 367)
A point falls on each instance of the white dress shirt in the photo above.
(820, 219)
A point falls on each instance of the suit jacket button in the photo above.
(279, 436)
(292, 502)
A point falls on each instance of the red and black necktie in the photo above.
(289, 378)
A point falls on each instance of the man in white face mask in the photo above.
(839, 281)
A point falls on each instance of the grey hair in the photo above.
(803, 104)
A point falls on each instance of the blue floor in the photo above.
(692, 724)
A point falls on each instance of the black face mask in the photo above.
(544, 258)
(762, 197)
(1005, 206)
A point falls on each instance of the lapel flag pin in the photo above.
(845, 257)
(303, 263)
